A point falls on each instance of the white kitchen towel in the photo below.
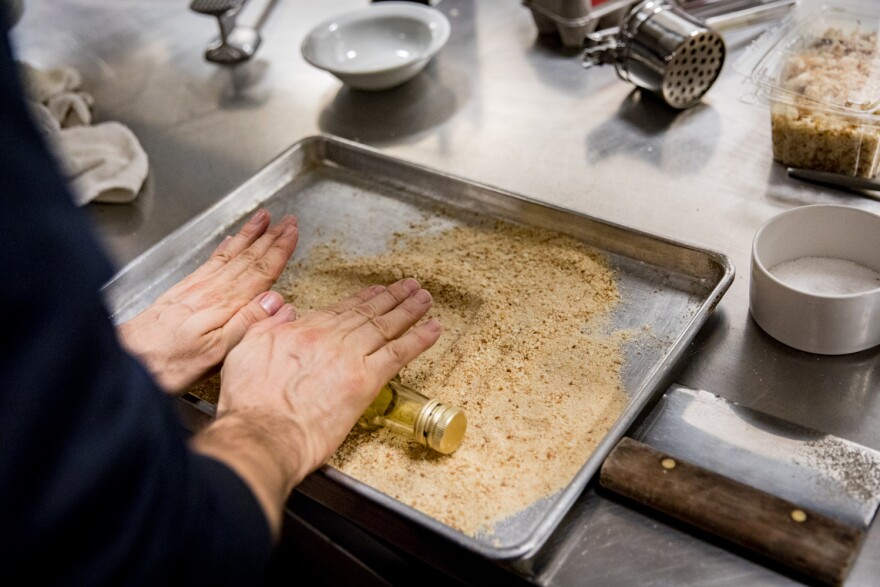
(42, 84)
(104, 162)
(71, 108)
(59, 90)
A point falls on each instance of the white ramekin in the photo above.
(817, 323)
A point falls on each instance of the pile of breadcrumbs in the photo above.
(525, 353)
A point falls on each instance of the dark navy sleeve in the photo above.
(97, 485)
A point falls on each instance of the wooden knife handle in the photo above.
(808, 542)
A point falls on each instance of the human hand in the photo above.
(190, 329)
(291, 391)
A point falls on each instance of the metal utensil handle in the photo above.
(603, 53)
(722, 22)
(749, 16)
(835, 179)
(806, 541)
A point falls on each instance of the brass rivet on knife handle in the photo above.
(817, 546)
(799, 516)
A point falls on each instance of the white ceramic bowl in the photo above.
(815, 279)
(377, 47)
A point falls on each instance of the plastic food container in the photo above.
(815, 279)
(819, 73)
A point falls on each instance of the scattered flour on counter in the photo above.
(826, 275)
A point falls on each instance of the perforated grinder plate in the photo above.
(693, 68)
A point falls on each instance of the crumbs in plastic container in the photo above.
(820, 75)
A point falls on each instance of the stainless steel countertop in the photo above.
(505, 108)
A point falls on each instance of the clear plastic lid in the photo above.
(828, 58)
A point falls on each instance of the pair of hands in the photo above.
(291, 388)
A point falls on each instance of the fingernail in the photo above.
(289, 312)
(421, 295)
(224, 242)
(409, 284)
(290, 219)
(433, 325)
(289, 229)
(271, 301)
(376, 289)
(259, 216)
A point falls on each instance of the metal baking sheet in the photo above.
(359, 197)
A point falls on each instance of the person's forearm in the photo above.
(265, 451)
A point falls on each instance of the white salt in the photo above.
(826, 275)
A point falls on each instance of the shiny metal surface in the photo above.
(500, 106)
(672, 52)
(667, 51)
(235, 44)
(821, 472)
(572, 20)
(332, 185)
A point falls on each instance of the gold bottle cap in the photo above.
(441, 427)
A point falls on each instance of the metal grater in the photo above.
(692, 69)
(662, 48)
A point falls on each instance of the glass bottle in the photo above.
(406, 412)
